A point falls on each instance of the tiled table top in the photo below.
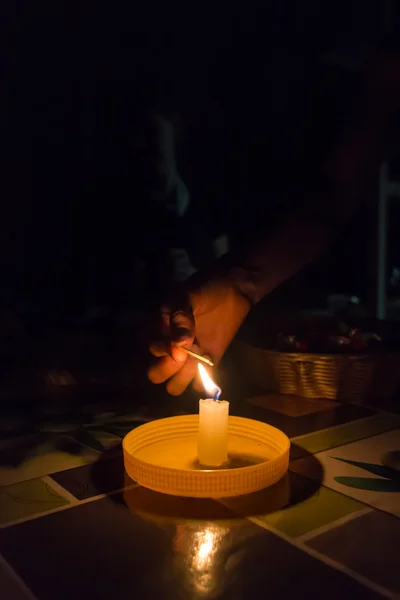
(73, 525)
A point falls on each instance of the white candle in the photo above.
(213, 432)
(213, 425)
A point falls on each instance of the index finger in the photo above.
(182, 325)
(182, 333)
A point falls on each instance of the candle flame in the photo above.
(212, 390)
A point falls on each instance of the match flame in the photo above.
(212, 390)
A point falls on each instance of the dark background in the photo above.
(261, 90)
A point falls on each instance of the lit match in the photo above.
(195, 355)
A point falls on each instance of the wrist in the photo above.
(248, 277)
(245, 284)
(248, 283)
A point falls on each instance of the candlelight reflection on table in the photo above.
(202, 548)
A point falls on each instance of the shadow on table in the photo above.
(108, 474)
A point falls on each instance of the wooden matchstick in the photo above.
(195, 355)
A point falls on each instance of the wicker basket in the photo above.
(322, 376)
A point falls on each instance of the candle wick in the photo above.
(217, 395)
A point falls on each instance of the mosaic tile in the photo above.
(292, 406)
(308, 423)
(307, 508)
(368, 545)
(100, 477)
(42, 454)
(112, 552)
(358, 470)
(11, 588)
(347, 433)
(26, 499)
(20, 461)
(59, 441)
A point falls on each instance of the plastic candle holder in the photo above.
(163, 456)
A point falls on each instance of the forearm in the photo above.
(307, 232)
(325, 210)
(268, 264)
(301, 239)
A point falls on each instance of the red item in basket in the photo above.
(358, 344)
(302, 346)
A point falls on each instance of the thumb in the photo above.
(182, 333)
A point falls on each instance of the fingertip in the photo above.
(182, 327)
(173, 390)
(177, 354)
(160, 371)
(152, 375)
(181, 380)
(157, 349)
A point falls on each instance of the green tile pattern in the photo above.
(347, 433)
(27, 499)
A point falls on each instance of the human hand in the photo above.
(204, 316)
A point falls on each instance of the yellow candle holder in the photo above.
(162, 456)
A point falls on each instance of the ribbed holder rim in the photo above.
(209, 482)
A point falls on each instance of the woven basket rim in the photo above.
(315, 355)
